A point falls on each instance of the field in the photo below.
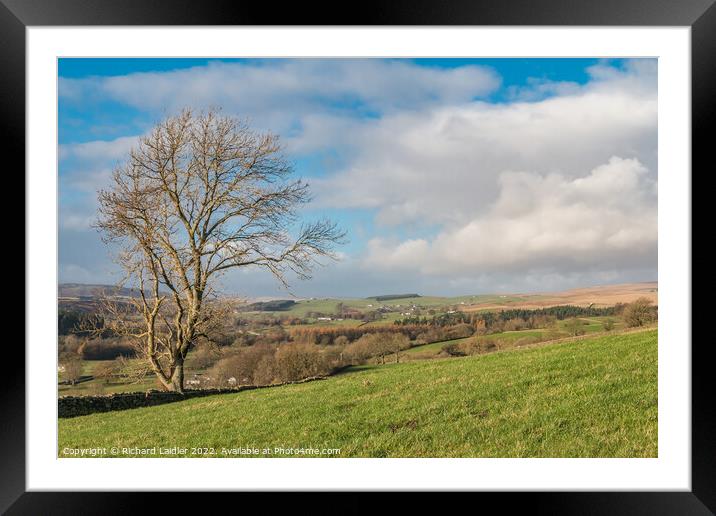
(430, 350)
(98, 386)
(393, 309)
(598, 296)
(509, 338)
(601, 296)
(594, 397)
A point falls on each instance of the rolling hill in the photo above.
(79, 290)
(595, 397)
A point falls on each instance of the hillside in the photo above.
(600, 296)
(77, 295)
(605, 295)
(76, 290)
(594, 397)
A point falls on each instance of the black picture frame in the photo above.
(700, 15)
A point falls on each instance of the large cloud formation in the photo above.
(279, 94)
(605, 219)
(563, 184)
(553, 187)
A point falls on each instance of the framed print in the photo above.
(448, 249)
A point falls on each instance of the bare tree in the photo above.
(640, 312)
(397, 342)
(201, 194)
(72, 369)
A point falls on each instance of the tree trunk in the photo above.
(177, 380)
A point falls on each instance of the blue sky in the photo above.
(451, 176)
(109, 119)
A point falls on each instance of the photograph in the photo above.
(357, 257)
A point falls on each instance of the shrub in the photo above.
(341, 341)
(453, 349)
(460, 331)
(333, 357)
(244, 339)
(266, 372)
(69, 345)
(479, 345)
(71, 369)
(202, 357)
(296, 361)
(395, 343)
(639, 313)
(106, 371)
(432, 335)
(574, 326)
(239, 366)
(515, 324)
(274, 335)
(359, 351)
(107, 348)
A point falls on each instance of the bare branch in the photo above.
(201, 194)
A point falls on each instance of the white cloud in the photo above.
(441, 165)
(521, 193)
(98, 151)
(277, 94)
(551, 223)
(75, 220)
(85, 168)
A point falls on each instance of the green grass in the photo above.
(99, 386)
(588, 398)
(510, 336)
(434, 348)
(593, 324)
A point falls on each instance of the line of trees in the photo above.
(69, 320)
(378, 345)
(490, 318)
(265, 364)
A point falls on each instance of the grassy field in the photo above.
(98, 386)
(425, 351)
(595, 397)
(508, 338)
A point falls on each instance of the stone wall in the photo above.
(73, 406)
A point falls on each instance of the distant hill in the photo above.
(390, 297)
(83, 290)
(603, 295)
